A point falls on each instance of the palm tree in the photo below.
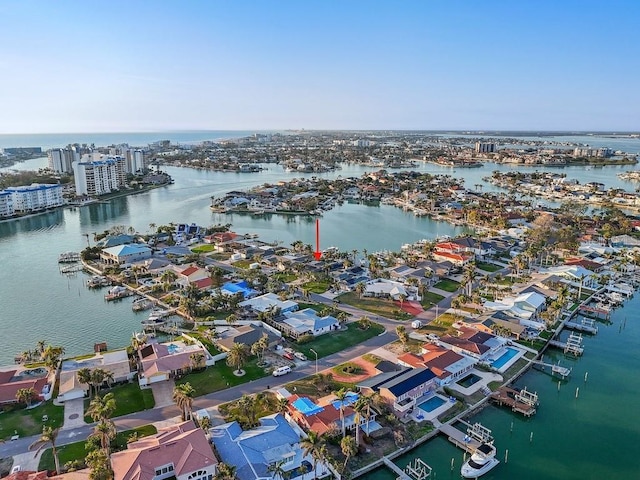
(102, 407)
(197, 360)
(98, 461)
(311, 446)
(48, 437)
(237, 356)
(183, 397)
(51, 357)
(105, 431)
(401, 331)
(341, 395)
(349, 449)
(84, 376)
(225, 472)
(232, 318)
(277, 469)
(25, 395)
(360, 288)
(259, 347)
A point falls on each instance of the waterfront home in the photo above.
(242, 287)
(447, 365)
(15, 378)
(585, 263)
(575, 275)
(193, 275)
(473, 343)
(247, 334)
(499, 322)
(179, 451)
(116, 362)
(401, 388)
(525, 307)
(458, 259)
(125, 254)
(162, 361)
(323, 415)
(254, 451)
(269, 302)
(114, 240)
(220, 237)
(307, 322)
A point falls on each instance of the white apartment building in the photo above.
(6, 204)
(482, 147)
(61, 159)
(137, 161)
(33, 197)
(97, 174)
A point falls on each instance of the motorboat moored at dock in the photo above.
(482, 460)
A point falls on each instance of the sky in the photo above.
(124, 66)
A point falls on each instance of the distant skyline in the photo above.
(121, 66)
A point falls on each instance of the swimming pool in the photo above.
(431, 404)
(499, 362)
(468, 380)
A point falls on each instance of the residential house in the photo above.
(254, 451)
(162, 361)
(473, 343)
(383, 288)
(125, 254)
(267, 302)
(247, 334)
(447, 365)
(402, 389)
(117, 363)
(14, 379)
(307, 322)
(193, 275)
(179, 451)
(525, 307)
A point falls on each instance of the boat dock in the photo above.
(395, 469)
(469, 442)
(556, 369)
(520, 401)
(573, 345)
(595, 312)
(587, 325)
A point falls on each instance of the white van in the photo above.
(281, 371)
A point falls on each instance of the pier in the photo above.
(587, 325)
(396, 469)
(469, 442)
(572, 346)
(595, 312)
(556, 369)
(520, 401)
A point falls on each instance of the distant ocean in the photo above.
(134, 139)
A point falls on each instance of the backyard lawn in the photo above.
(76, 451)
(29, 422)
(203, 249)
(336, 341)
(488, 267)
(317, 286)
(378, 306)
(220, 376)
(129, 398)
(447, 285)
(442, 325)
(429, 299)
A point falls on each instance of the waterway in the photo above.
(593, 436)
(596, 435)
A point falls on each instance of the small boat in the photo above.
(482, 460)
(157, 316)
(117, 292)
(141, 304)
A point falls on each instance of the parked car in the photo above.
(288, 356)
(281, 371)
(300, 356)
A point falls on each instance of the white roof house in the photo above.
(381, 287)
(307, 321)
(268, 301)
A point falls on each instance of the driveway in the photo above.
(74, 413)
(163, 393)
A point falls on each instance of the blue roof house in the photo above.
(120, 254)
(253, 452)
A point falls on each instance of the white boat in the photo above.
(156, 315)
(482, 460)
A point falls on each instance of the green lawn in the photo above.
(203, 249)
(211, 348)
(317, 286)
(220, 376)
(129, 398)
(285, 277)
(29, 422)
(378, 306)
(488, 267)
(76, 451)
(442, 325)
(447, 285)
(314, 386)
(429, 299)
(336, 341)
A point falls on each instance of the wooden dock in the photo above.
(584, 326)
(469, 442)
(520, 401)
(396, 469)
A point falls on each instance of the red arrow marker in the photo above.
(317, 254)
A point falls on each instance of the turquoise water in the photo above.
(431, 404)
(593, 436)
(498, 363)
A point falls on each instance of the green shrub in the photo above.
(305, 339)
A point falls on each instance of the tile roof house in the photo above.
(446, 364)
(180, 451)
(479, 345)
(14, 379)
(162, 361)
(253, 451)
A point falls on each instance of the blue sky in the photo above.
(78, 66)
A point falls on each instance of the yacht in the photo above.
(482, 460)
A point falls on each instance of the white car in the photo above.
(300, 356)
